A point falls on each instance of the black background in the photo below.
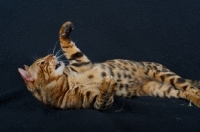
(164, 31)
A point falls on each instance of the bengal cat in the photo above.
(83, 84)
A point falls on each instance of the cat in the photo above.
(82, 84)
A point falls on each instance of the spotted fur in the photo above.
(83, 84)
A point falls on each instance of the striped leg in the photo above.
(171, 78)
(78, 61)
(155, 88)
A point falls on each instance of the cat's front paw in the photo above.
(66, 29)
(108, 86)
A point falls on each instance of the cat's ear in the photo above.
(26, 67)
(25, 75)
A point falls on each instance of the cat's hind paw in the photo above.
(66, 29)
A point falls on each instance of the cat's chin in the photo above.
(60, 69)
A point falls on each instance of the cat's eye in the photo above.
(42, 62)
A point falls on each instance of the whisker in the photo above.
(60, 56)
(76, 41)
(58, 52)
(31, 58)
(54, 47)
(64, 60)
(48, 51)
(35, 57)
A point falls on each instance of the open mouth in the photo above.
(57, 65)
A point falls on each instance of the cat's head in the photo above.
(42, 72)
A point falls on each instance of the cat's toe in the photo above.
(67, 27)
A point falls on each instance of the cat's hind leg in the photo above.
(168, 77)
(195, 83)
(78, 61)
(159, 89)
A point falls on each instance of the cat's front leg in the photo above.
(106, 97)
(78, 61)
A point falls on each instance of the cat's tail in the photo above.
(195, 83)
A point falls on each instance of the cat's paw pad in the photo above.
(66, 28)
(108, 85)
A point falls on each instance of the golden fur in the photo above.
(82, 84)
